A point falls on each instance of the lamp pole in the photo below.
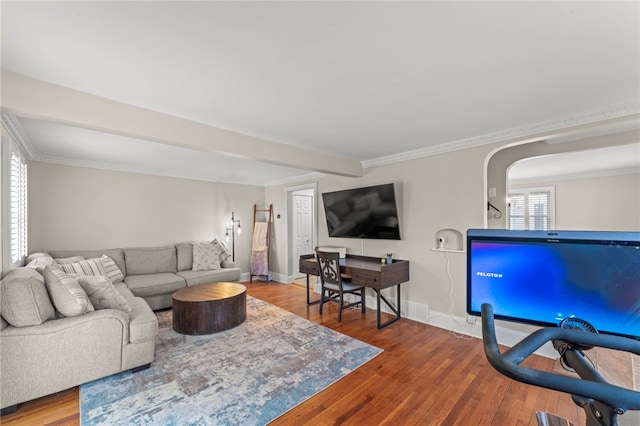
(232, 228)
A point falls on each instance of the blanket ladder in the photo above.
(261, 243)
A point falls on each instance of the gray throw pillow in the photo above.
(206, 256)
(66, 292)
(103, 294)
(24, 300)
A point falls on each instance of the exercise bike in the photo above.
(602, 401)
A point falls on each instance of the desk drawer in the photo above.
(364, 277)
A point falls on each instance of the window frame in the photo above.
(526, 192)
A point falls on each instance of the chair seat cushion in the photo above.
(345, 287)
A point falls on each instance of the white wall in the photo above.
(610, 203)
(76, 208)
(435, 192)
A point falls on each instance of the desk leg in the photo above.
(309, 301)
(394, 309)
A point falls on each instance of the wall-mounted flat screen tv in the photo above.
(368, 212)
(543, 277)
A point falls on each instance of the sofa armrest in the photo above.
(60, 354)
(68, 323)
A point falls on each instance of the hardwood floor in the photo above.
(425, 376)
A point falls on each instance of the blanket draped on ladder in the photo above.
(260, 249)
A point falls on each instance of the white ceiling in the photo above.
(361, 80)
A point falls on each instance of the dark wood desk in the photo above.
(369, 272)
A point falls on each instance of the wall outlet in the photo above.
(471, 320)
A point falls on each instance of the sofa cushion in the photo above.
(206, 256)
(102, 294)
(66, 292)
(184, 252)
(201, 277)
(143, 323)
(150, 260)
(111, 269)
(24, 300)
(153, 284)
(84, 267)
(116, 254)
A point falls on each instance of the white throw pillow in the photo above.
(66, 292)
(84, 267)
(103, 294)
(39, 263)
(111, 269)
(206, 256)
(225, 253)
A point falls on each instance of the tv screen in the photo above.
(543, 277)
(362, 213)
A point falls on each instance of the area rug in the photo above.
(248, 375)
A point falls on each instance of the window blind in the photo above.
(18, 192)
(531, 208)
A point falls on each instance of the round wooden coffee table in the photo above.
(209, 308)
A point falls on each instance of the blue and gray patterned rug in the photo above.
(248, 375)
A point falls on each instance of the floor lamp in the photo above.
(232, 228)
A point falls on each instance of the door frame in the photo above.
(292, 264)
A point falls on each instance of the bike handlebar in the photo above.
(590, 385)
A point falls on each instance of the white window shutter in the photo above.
(18, 208)
(531, 208)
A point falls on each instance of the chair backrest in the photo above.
(329, 267)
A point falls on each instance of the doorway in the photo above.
(301, 207)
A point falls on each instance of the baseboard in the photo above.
(421, 313)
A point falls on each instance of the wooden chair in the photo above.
(336, 285)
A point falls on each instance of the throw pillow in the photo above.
(24, 300)
(206, 256)
(84, 267)
(103, 294)
(225, 253)
(36, 255)
(68, 296)
(111, 269)
(39, 263)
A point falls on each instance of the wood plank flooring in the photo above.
(425, 376)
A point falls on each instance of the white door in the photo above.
(302, 226)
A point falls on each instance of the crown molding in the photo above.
(620, 110)
(15, 130)
(575, 176)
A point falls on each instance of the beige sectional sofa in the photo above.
(155, 273)
(43, 352)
